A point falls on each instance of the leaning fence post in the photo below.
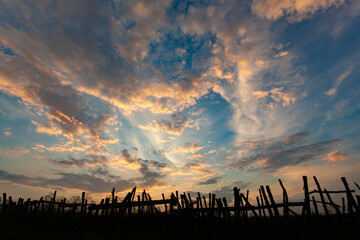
(315, 206)
(285, 199)
(262, 202)
(163, 196)
(350, 198)
(266, 201)
(332, 202)
(272, 202)
(321, 196)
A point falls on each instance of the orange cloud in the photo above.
(336, 156)
(188, 148)
(261, 94)
(296, 9)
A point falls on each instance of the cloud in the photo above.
(86, 182)
(282, 54)
(272, 154)
(14, 151)
(332, 91)
(210, 181)
(91, 160)
(175, 126)
(148, 168)
(336, 156)
(7, 132)
(188, 148)
(294, 10)
(261, 94)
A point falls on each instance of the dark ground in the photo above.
(46, 226)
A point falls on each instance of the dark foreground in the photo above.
(47, 226)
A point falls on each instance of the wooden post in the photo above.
(343, 205)
(213, 201)
(205, 204)
(306, 208)
(99, 207)
(163, 196)
(139, 207)
(249, 205)
(321, 196)
(276, 211)
(315, 206)
(332, 202)
(285, 200)
(226, 210)
(259, 206)
(82, 203)
(4, 202)
(236, 202)
(350, 198)
(63, 207)
(266, 201)
(53, 202)
(107, 200)
(262, 202)
(200, 201)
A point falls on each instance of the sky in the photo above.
(197, 96)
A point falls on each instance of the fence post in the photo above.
(321, 196)
(266, 201)
(306, 208)
(272, 202)
(285, 200)
(332, 203)
(350, 198)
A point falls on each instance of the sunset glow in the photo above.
(165, 95)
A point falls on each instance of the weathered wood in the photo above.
(227, 212)
(236, 202)
(262, 202)
(285, 200)
(350, 199)
(357, 185)
(306, 209)
(315, 206)
(163, 196)
(267, 204)
(273, 204)
(331, 192)
(252, 208)
(107, 201)
(336, 207)
(82, 203)
(63, 206)
(321, 196)
(98, 208)
(4, 202)
(258, 202)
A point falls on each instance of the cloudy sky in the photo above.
(187, 95)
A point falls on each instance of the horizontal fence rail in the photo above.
(198, 206)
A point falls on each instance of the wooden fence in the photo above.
(198, 206)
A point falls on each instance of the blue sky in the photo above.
(177, 95)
